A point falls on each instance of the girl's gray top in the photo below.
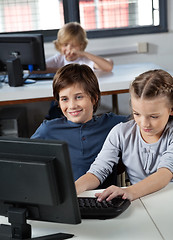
(140, 158)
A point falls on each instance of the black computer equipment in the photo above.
(36, 183)
(90, 208)
(41, 76)
(20, 52)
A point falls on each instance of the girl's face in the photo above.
(70, 50)
(151, 116)
(75, 104)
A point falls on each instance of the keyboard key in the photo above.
(90, 208)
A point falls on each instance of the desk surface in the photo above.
(160, 207)
(116, 82)
(135, 223)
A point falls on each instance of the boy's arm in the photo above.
(152, 183)
(86, 182)
(99, 62)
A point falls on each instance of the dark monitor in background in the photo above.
(36, 183)
(20, 52)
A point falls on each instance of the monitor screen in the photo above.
(20, 52)
(36, 183)
(28, 48)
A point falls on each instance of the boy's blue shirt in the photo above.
(84, 140)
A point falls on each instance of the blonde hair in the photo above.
(71, 31)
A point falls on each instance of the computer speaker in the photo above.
(15, 72)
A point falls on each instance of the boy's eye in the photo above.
(79, 97)
(63, 99)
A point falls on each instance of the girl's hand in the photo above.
(112, 192)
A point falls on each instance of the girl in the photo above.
(71, 43)
(145, 143)
(76, 89)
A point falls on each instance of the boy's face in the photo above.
(151, 115)
(75, 104)
(70, 50)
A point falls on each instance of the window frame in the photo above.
(71, 14)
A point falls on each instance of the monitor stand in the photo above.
(19, 229)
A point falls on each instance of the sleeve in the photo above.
(166, 160)
(108, 156)
(40, 133)
(55, 61)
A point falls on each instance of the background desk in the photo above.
(113, 83)
(133, 224)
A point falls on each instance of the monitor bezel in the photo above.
(29, 48)
(63, 210)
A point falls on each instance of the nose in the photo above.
(145, 122)
(72, 104)
(68, 47)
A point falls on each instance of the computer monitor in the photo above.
(36, 183)
(20, 52)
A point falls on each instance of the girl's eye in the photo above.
(154, 117)
(136, 114)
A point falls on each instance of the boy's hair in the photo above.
(71, 31)
(77, 74)
(152, 84)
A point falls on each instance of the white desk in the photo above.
(160, 208)
(113, 83)
(134, 224)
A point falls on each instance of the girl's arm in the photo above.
(99, 62)
(86, 182)
(151, 184)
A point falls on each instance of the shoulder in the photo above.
(169, 130)
(125, 129)
(111, 117)
(57, 122)
(56, 59)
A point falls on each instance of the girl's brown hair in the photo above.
(77, 74)
(152, 84)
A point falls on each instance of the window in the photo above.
(101, 18)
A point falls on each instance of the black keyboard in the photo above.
(34, 76)
(90, 208)
(41, 76)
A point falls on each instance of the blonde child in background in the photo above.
(145, 143)
(71, 44)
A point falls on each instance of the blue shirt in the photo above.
(84, 140)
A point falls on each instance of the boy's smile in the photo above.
(75, 104)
